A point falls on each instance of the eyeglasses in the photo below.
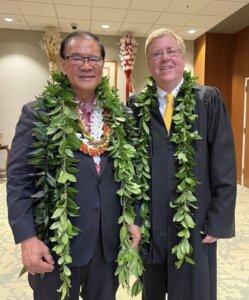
(171, 52)
(78, 60)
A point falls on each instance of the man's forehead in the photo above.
(83, 43)
(163, 41)
(83, 40)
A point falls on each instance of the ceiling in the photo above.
(137, 16)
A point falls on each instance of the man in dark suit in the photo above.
(192, 167)
(93, 250)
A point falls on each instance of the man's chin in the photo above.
(88, 83)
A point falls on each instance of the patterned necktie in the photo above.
(168, 111)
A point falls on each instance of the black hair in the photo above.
(83, 34)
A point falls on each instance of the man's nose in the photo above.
(86, 64)
(165, 55)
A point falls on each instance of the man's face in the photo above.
(83, 77)
(166, 62)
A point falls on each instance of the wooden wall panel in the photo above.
(246, 163)
(199, 59)
(219, 64)
(213, 61)
(240, 72)
(225, 64)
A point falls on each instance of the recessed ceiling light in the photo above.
(105, 26)
(191, 31)
(8, 19)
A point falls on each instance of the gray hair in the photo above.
(162, 32)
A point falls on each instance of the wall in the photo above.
(218, 71)
(24, 72)
(240, 72)
(213, 61)
(222, 60)
(199, 58)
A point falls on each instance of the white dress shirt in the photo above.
(161, 96)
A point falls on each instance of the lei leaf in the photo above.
(55, 165)
(56, 169)
(121, 121)
(183, 137)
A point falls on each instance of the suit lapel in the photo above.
(104, 159)
(91, 164)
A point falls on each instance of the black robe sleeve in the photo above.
(220, 221)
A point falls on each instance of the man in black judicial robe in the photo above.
(215, 170)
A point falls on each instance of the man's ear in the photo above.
(63, 65)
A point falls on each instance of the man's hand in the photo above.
(135, 235)
(208, 239)
(36, 256)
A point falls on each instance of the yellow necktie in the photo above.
(168, 111)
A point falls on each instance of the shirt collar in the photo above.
(86, 107)
(161, 93)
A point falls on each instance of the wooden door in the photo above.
(246, 131)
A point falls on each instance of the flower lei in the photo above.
(53, 160)
(183, 119)
(128, 49)
(95, 142)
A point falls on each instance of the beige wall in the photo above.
(24, 72)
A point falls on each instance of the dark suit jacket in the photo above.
(99, 204)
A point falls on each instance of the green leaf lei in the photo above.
(55, 165)
(183, 137)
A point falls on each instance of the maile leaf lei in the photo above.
(55, 165)
(183, 137)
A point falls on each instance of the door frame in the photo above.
(246, 89)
